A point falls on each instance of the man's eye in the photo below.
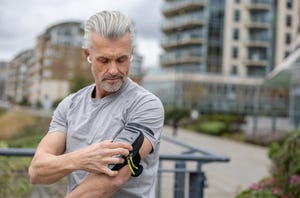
(103, 60)
(121, 60)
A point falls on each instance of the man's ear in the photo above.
(85, 52)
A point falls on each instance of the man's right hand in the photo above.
(51, 163)
(98, 156)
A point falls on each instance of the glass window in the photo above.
(237, 15)
(235, 52)
(288, 38)
(288, 21)
(234, 70)
(236, 34)
(289, 4)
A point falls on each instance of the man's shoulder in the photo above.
(78, 95)
(138, 94)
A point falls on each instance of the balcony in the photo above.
(256, 60)
(170, 59)
(183, 40)
(259, 22)
(172, 8)
(258, 42)
(259, 4)
(184, 22)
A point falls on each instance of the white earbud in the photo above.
(131, 58)
(89, 59)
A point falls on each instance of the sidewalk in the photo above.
(248, 163)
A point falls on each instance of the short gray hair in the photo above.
(109, 24)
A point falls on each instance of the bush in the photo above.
(12, 123)
(285, 179)
(18, 130)
(213, 128)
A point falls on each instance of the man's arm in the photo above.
(51, 164)
(104, 186)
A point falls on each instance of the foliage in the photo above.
(56, 102)
(265, 138)
(178, 114)
(285, 179)
(13, 176)
(12, 123)
(213, 127)
(78, 82)
(13, 170)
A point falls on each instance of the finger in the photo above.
(109, 172)
(121, 145)
(113, 160)
(118, 151)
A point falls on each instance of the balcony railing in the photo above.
(181, 172)
(188, 57)
(183, 39)
(184, 21)
(260, 4)
(170, 8)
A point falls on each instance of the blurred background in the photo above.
(226, 68)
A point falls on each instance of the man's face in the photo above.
(110, 61)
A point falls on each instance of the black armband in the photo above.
(132, 134)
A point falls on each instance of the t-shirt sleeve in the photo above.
(59, 119)
(149, 112)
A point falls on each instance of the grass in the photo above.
(22, 131)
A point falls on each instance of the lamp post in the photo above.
(175, 118)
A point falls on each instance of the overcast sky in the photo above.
(21, 21)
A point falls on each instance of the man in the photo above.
(79, 142)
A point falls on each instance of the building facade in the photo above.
(227, 47)
(17, 89)
(3, 79)
(44, 74)
(58, 58)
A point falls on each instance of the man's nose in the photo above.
(113, 68)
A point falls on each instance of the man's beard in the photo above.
(115, 86)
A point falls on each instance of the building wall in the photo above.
(3, 79)
(253, 37)
(17, 84)
(58, 59)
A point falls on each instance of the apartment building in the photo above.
(58, 58)
(3, 79)
(17, 88)
(43, 75)
(225, 48)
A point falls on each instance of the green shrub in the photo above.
(285, 179)
(213, 128)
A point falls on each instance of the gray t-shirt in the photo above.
(87, 120)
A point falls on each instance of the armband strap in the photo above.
(134, 165)
(133, 134)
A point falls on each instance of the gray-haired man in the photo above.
(79, 142)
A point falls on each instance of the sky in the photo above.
(22, 21)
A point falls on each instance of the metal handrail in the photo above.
(193, 154)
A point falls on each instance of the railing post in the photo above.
(179, 184)
(197, 183)
(158, 189)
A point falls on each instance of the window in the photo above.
(234, 70)
(288, 21)
(237, 1)
(289, 4)
(235, 52)
(237, 15)
(288, 38)
(236, 34)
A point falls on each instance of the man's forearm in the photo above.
(50, 168)
(101, 185)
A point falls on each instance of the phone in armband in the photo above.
(132, 134)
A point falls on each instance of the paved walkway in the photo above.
(248, 163)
